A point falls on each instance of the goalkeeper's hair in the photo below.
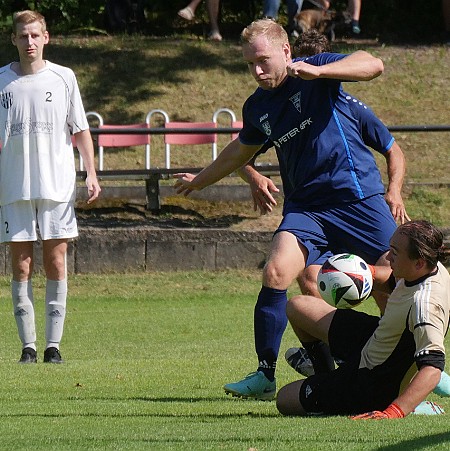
(425, 241)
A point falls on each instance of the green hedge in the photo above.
(390, 20)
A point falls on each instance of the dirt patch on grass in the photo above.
(177, 212)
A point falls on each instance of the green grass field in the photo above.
(147, 355)
(146, 358)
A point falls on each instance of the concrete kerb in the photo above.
(126, 249)
(145, 249)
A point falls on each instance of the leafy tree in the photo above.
(390, 20)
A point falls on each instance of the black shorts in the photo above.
(349, 332)
(348, 389)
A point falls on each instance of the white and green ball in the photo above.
(345, 280)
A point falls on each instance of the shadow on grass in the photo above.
(418, 443)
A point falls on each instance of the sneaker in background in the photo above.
(356, 29)
(428, 408)
(298, 359)
(52, 355)
(29, 355)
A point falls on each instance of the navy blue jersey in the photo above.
(322, 156)
(373, 132)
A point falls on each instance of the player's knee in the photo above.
(299, 302)
(383, 261)
(288, 399)
(283, 401)
(22, 270)
(308, 286)
(307, 280)
(275, 277)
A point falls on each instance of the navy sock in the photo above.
(270, 322)
(320, 355)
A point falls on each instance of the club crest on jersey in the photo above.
(6, 99)
(266, 127)
(296, 101)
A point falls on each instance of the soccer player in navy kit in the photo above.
(377, 136)
(374, 134)
(333, 191)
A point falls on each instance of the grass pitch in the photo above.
(146, 359)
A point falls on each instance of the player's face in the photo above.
(267, 61)
(402, 266)
(30, 40)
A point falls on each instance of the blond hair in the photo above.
(273, 31)
(26, 17)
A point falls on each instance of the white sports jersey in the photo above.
(38, 113)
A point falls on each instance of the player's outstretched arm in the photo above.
(395, 161)
(420, 387)
(232, 157)
(358, 66)
(86, 149)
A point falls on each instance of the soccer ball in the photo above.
(345, 280)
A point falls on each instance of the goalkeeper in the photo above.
(390, 364)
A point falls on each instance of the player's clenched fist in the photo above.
(303, 70)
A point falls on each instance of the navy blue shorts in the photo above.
(363, 228)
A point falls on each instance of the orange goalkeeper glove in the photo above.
(392, 411)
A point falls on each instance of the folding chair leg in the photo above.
(152, 192)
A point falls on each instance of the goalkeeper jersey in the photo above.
(38, 114)
(415, 323)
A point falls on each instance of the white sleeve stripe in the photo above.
(422, 299)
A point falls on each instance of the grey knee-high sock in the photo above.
(23, 305)
(55, 307)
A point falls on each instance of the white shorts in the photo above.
(21, 220)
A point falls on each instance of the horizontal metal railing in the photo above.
(267, 169)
